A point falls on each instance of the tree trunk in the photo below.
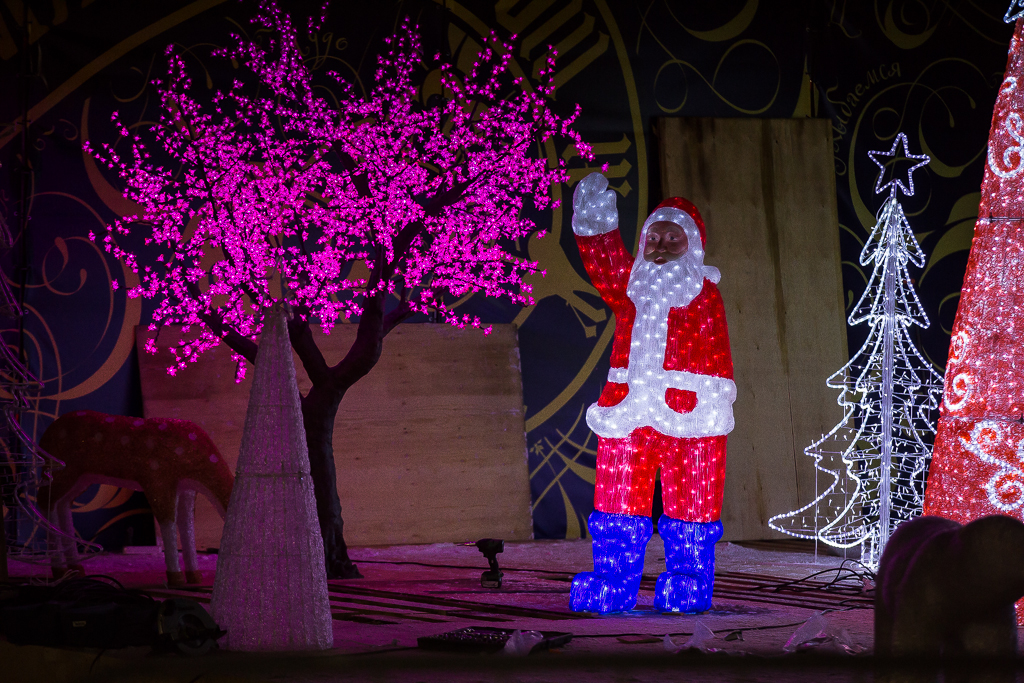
(319, 408)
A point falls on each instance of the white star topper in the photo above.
(1014, 11)
(897, 182)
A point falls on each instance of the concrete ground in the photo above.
(764, 599)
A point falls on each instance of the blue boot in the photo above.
(619, 545)
(690, 558)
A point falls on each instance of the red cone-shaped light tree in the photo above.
(977, 467)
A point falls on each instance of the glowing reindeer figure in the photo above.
(168, 460)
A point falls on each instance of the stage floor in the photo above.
(762, 595)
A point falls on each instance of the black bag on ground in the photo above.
(79, 613)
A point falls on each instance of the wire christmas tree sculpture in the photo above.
(876, 458)
(22, 463)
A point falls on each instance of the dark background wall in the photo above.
(929, 68)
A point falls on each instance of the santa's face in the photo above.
(665, 242)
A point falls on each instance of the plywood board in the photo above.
(766, 190)
(429, 447)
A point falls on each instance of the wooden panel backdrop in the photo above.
(766, 190)
(429, 447)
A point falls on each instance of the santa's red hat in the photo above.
(681, 212)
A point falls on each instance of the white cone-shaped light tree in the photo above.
(270, 592)
(875, 460)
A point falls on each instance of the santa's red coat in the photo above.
(633, 445)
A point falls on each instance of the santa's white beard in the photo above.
(670, 285)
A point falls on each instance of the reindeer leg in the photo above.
(187, 533)
(165, 513)
(60, 516)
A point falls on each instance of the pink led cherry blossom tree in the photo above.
(273, 192)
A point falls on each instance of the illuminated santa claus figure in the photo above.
(667, 404)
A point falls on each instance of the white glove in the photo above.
(593, 207)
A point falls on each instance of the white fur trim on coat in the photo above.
(645, 405)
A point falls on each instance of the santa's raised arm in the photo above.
(667, 403)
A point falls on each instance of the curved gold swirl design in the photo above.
(959, 232)
(109, 57)
(895, 121)
(899, 37)
(711, 83)
(727, 31)
(54, 390)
